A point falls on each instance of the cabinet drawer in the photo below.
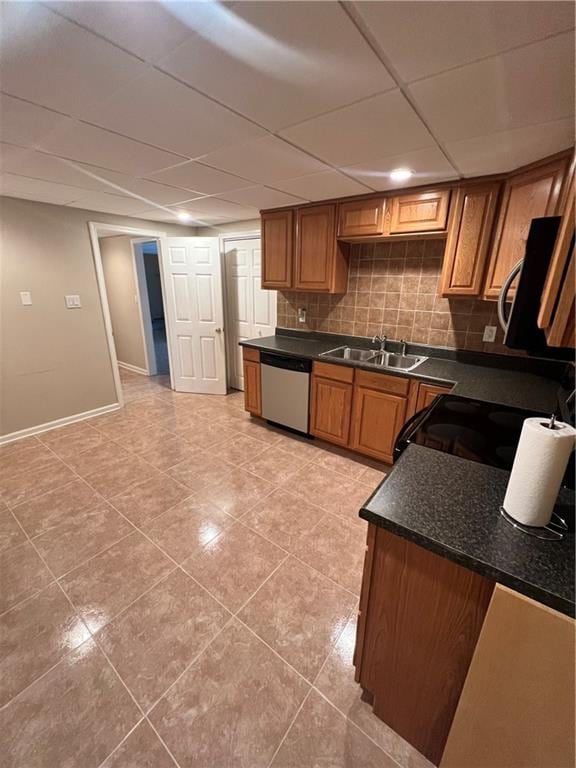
(251, 354)
(335, 372)
(383, 383)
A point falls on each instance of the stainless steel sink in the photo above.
(350, 353)
(394, 360)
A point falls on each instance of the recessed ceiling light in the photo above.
(400, 174)
(183, 216)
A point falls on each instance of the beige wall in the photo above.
(119, 276)
(54, 361)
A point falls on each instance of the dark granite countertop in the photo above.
(484, 380)
(451, 506)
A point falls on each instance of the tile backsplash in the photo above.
(393, 288)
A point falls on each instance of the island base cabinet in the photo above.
(517, 706)
(420, 618)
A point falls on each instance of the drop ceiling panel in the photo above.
(38, 165)
(424, 38)
(201, 179)
(385, 123)
(280, 63)
(147, 29)
(127, 185)
(211, 207)
(265, 160)
(530, 85)
(158, 110)
(320, 186)
(50, 61)
(35, 189)
(508, 150)
(26, 124)
(102, 201)
(88, 144)
(262, 197)
(171, 215)
(428, 166)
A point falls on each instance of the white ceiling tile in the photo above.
(530, 85)
(26, 124)
(146, 29)
(95, 146)
(212, 208)
(428, 166)
(385, 123)
(507, 150)
(320, 186)
(265, 160)
(122, 184)
(171, 216)
(424, 38)
(38, 165)
(277, 63)
(51, 61)
(102, 201)
(161, 111)
(35, 189)
(262, 197)
(201, 179)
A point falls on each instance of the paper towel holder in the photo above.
(554, 531)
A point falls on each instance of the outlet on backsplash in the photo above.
(393, 289)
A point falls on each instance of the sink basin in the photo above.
(394, 360)
(350, 353)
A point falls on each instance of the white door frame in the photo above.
(96, 230)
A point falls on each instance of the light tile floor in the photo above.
(179, 587)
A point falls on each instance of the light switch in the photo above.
(73, 301)
(489, 333)
(26, 298)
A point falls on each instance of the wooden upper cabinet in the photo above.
(361, 218)
(321, 262)
(277, 249)
(469, 233)
(556, 314)
(419, 212)
(527, 195)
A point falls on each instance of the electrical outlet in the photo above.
(489, 333)
(301, 315)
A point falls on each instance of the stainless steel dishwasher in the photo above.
(285, 390)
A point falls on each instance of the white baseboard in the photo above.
(133, 368)
(57, 423)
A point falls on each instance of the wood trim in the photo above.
(382, 382)
(251, 354)
(335, 372)
(469, 235)
(424, 616)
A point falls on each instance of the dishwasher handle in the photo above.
(288, 363)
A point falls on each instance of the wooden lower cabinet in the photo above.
(517, 706)
(427, 393)
(420, 618)
(331, 403)
(377, 418)
(252, 386)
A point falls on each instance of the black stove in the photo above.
(487, 433)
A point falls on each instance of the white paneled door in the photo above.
(250, 310)
(195, 329)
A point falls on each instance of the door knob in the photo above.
(218, 330)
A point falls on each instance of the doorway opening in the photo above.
(153, 313)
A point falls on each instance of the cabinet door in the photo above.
(315, 248)
(520, 685)
(469, 234)
(527, 195)
(277, 249)
(377, 418)
(361, 218)
(419, 212)
(331, 409)
(427, 393)
(252, 391)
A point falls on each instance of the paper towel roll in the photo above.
(538, 469)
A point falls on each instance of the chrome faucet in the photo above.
(381, 340)
(402, 347)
